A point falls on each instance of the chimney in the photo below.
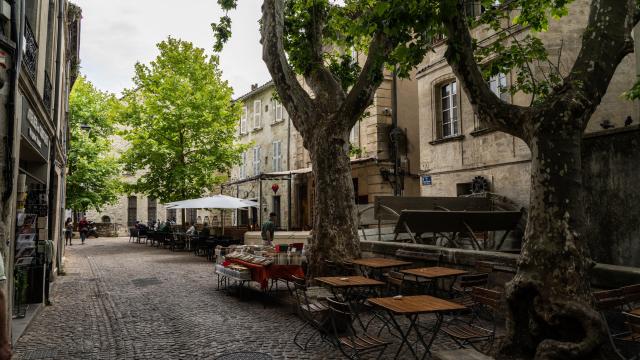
(254, 86)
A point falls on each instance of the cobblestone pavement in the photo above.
(121, 300)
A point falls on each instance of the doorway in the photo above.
(276, 210)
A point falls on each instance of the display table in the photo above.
(261, 273)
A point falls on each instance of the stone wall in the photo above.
(611, 161)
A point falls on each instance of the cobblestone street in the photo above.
(122, 300)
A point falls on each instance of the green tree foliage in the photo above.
(93, 171)
(180, 122)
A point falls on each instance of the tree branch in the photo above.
(495, 112)
(605, 42)
(370, 78)
(294, 98)
(324, 85)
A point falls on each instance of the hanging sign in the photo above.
(33, 130)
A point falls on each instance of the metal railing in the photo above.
(31, 53)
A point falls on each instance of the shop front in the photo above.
(32, 212)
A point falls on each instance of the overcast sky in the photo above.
(118, 33)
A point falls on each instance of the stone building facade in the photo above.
(276, 168)
(456, 148)
(39, 60)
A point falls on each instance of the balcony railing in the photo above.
(46, 95)
(31, 53)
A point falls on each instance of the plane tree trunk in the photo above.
(324, 121)
(550, 307)
(334, 224)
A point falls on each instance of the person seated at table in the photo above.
(164, 227)
(206, 231)
(191, 230)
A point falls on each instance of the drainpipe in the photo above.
(395, 135)
(17, 32)
(289, 169)
(56, 113)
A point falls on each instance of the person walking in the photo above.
(68, 231)
(267, 230)
(83, 226)
(5, 337)
(49, 251)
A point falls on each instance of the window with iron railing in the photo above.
(46, 95)
(31, 52)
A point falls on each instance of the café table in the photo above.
(375, 266)
(435, 273)
(635, 312)
(347, 285)
(412, 307)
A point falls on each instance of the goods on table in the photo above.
(235, 271)
(261, 255)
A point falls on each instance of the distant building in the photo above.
(276, 170)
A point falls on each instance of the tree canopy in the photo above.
(93, 179)
(180, 122)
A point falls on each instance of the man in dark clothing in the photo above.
(268, 229)
(206, 231)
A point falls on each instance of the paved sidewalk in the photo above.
(128, 301)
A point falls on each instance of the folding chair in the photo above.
(313, 314)
(351, 342)
(469, 332)
(463, 288)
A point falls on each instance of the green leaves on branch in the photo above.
(93, 179)
(180, 123)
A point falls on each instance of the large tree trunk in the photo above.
(550, 302)
(335, 234)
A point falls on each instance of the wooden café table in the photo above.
(635, 312)
(412, 307)
(377, 265)
(435, 272)
(346, 284)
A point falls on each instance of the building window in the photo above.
(279, 113)
(132, 212)
(277, 155)
(171, 214)
(498, 85)
(256, 160)
(191, 216)
(106, 219)
(243, 166)
(243, 121)
(448, 118)
(257, 114)
(152, 206)
(353, 135)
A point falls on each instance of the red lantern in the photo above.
(275, 188)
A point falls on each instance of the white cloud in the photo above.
(118, 33)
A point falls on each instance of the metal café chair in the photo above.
(351, 341)
(314, 314)
(471, 331)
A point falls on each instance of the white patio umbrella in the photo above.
(221, 202)
(212, 202)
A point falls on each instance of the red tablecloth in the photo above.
(261, 274)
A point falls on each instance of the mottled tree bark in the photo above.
(334, 224)
(551, 313)
(324, 122)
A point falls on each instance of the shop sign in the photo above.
(426, 179)
(34, 132)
